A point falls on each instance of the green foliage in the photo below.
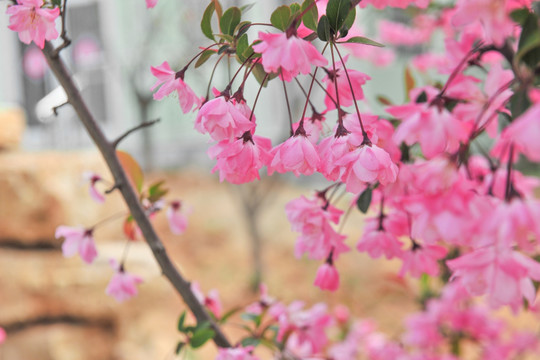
(206, 22)
(364, 200)
(311, 17)
(280, 18)
(156, 191)
(529, 42)
(337, 11)
(363, 40)
(323, 29)
(229, 20)
(204, 57)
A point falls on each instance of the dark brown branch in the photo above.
(181, 285)
(55, 108)
(138, 127)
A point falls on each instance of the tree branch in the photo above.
(181, 285)
(138, 127)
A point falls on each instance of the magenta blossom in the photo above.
(122, 285)
(327, 277)
(93, 179)
(211, 301)
(32, 22)
(366, 164)
(296, 154)
(223, 119)
(239, 161)
(151, 3)
(170, 81)
(237, 353)
(287, 55)
(346, 98)
(176, 215)
(77, 240)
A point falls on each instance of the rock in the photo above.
(40, 191)
(12, 124)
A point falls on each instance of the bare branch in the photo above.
(55, 108)
(138, 127)
(181, 285)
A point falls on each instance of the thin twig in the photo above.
(55, 108)
(63, 34)
(171, 272)
(142, 125)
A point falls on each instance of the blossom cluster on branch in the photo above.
(439, 199)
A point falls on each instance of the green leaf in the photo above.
(204, 56)
(260, 74)
(280, 17)
(519, 103)
(242, 28)
(520, 15)
(223, 49)
(227, 38)
(242, 45)
(206, 22)
(529, 42)
(323, 29)
(250, 341)
(311, 16)
(228, 314)
(362, 40)
(229, 20)
(200, 337)
(422, 98)
(132, 169)
(349, 22)
(337, 11)
(252, 317)
(57, 3)
(181, 321)
(179, 347)
(364, 200)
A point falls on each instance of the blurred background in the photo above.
(56, 308)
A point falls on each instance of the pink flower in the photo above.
(77, 240)
(366, 164)
(312, 218)
(223, 120)
(437, 130)
(237, 353)
(346, 98)
(212, 301)
(287, 55)
(32, 22)
(379, 4)
(504, 275)
(492, 14)
(93, 179)
(239, 161)
(171, 81)
(296, 154)
(379, 242)
(122, 285)
(151, 3)
(327, 277)
(422, 259)
(177, 218)
(524, 133)
(2, 335)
